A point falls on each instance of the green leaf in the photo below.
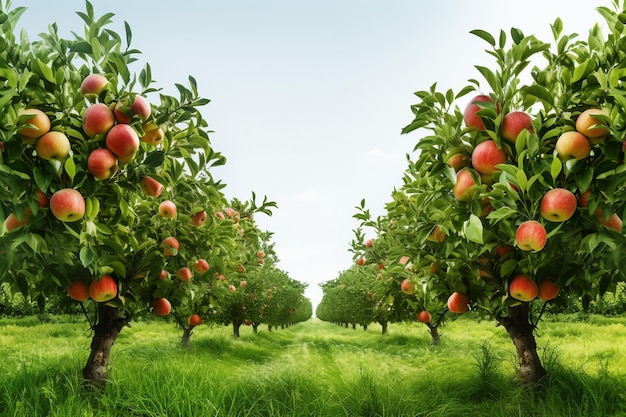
(70, 168)
(473, 229)
(484, 35)
(540, 92)
(46, 71)
(555, 168)
(86, 256)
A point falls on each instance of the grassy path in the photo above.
(313, 369)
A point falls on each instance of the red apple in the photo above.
(102, 163)
(184, 274)
(141, 107)
(232, 288)
(590, 126)
(514, 123)
(170, 246)
(201, 266)
(458, 160)
(260, 254)
(558, 205)
(523, 288)
(153, 134)
(486, 156)
(583, 199)
(123, 141)
(12, 222)
(42, 199)
(33, 123)
(98, 119)
(198, 219)
(612, 222)
(471, 119)
(404, 260)
(220, 215)
(436, 235)
(53, 146)
(458, 302)
(531, 235)
(503, 250)
(167, 209)
(424, 317)
(243, 283)
(150, 186)
(407, 286)
(465, 186)
(161, 306)
(247, 322)
(572, 145)
(122, 113)
(360, 261)
(164, 275)
(103, 289)
(194, 320)
(78, 290)
(93, 85)
(548, 290)
(67, 205)
(369, 243)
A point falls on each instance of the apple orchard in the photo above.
(108, 196)
(515, 193)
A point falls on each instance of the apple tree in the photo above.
(524, 181)
(105, 180)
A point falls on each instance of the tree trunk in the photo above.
(434, 334)
(186, 339)
(365, 327)
(520, 330)
(383, 324)
(106, 330)
(255, 328)
(269, 328)
(236, 327)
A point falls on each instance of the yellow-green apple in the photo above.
(465, 186)
(167, 209)
(548, 290)
(514, 123)
(194, 320)
(150, 186)
(78, 290)
(572, 145)
(369, 243)
(123, 141)
(103, 289)
(458, 302)
(122, 113)
(98, 119)
(458, 160)
(583, 198)
(13, 222)
(152, 134)
(42, 199)
(93, 85)
(558, 205)
(407, 286)
(102, 163)
(591, 126)
(161, 306)
(436, 235)
(53, 146)
(198, 218)
(184, 274)
(141, 107)
(201, 266)
(360, 261)
(612, 222)
(67, 205)
(170, 246)
(424, 317)
(471, 119)
(486, 156)
(531, 235)
(34, 123)
(523, 288)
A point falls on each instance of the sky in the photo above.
(308, 98)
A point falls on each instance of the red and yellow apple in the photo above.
(407, 286)
(470, 116)
(523, 288)
(141, 107)
(360, 261)
(103, 289)
(572, 145)
(458, 160)
(436, 235)
(458, 302)
(93, 85)
(42, 199)
(123, 141)
(590, 126)
(201, 266)
(198, 218)
(152, 134)
(531, 235)
(170, 246)
(424, 317)
(465, 186)
(98, 119)
(184, 274)
(13, 222)
(194, 320)
(33, 123)
(548, 290)
(514, 123)
(161, 306)
(67, 205)
(102, 163)
(167, 209)
(150, 186)
(486, 156)
(558, 205)
(53, 146)
(78, 290)
(612, 222)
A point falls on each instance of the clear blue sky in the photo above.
(308, 97)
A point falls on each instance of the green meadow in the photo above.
(314, 369)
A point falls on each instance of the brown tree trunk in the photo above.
(520, 330)
(383, 324)
(434, 334)
(186, 338)
(106, 330)
(236, 327)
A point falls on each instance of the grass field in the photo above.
(314, 369)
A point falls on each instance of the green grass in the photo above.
(313, 369)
